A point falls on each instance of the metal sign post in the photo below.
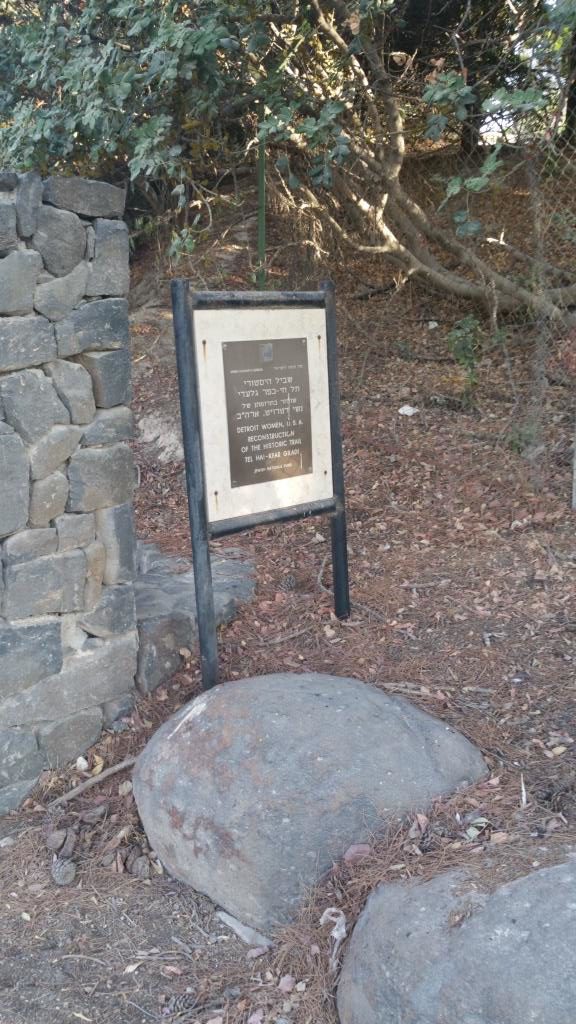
(260, 408)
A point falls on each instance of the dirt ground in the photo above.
(462, 554)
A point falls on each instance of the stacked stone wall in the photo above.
(68, 641)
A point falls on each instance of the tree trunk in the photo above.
(569, 133)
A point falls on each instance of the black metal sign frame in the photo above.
(184, 303)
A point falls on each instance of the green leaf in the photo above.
(436, 125)
(469, 228)
(453, 188)
(476, 184)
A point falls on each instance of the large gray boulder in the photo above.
(444, 953)
(253, 790)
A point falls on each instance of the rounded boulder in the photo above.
(253, 790)
(446, 951)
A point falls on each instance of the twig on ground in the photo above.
(127, 763)
(283, 638)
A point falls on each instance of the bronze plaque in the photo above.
(268, 410)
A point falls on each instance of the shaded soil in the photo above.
(463, 561)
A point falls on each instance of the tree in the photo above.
(341, 91)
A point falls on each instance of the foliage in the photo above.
(464, 344)
(121, 87)
(171, 94)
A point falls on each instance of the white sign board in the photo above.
(264, 409)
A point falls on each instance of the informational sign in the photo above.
(260, 411)
(265, 372)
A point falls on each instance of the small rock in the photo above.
(94, 814)
(248, 935)
(56, 839)
(63, 871)
(141, 868)
(232, 992)
(134, 853)
(69, 845)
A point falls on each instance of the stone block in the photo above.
(8, 236)
(109, 272)
(53, 449)
(14, 483)
(18, 274)
(60, 238)
(114, 613)
(28, 653)
(98, 325)
(73, 637)
(48, 499)
(84, 196)
(90, 242)
(67, 738)
(75, 530)
(119, 708)
(12, 796)
(20, 757)
(100, 477)
(100, 672)
(74, 387)
(110, 426)
(29, 544)
(8, 181)
(28, 200)
(166, 608)
(45, 586)
(57, 298)
(31, 404)
(25, 341)
(110, 373)
(95, 564)
(160, 640)
(115, 528)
